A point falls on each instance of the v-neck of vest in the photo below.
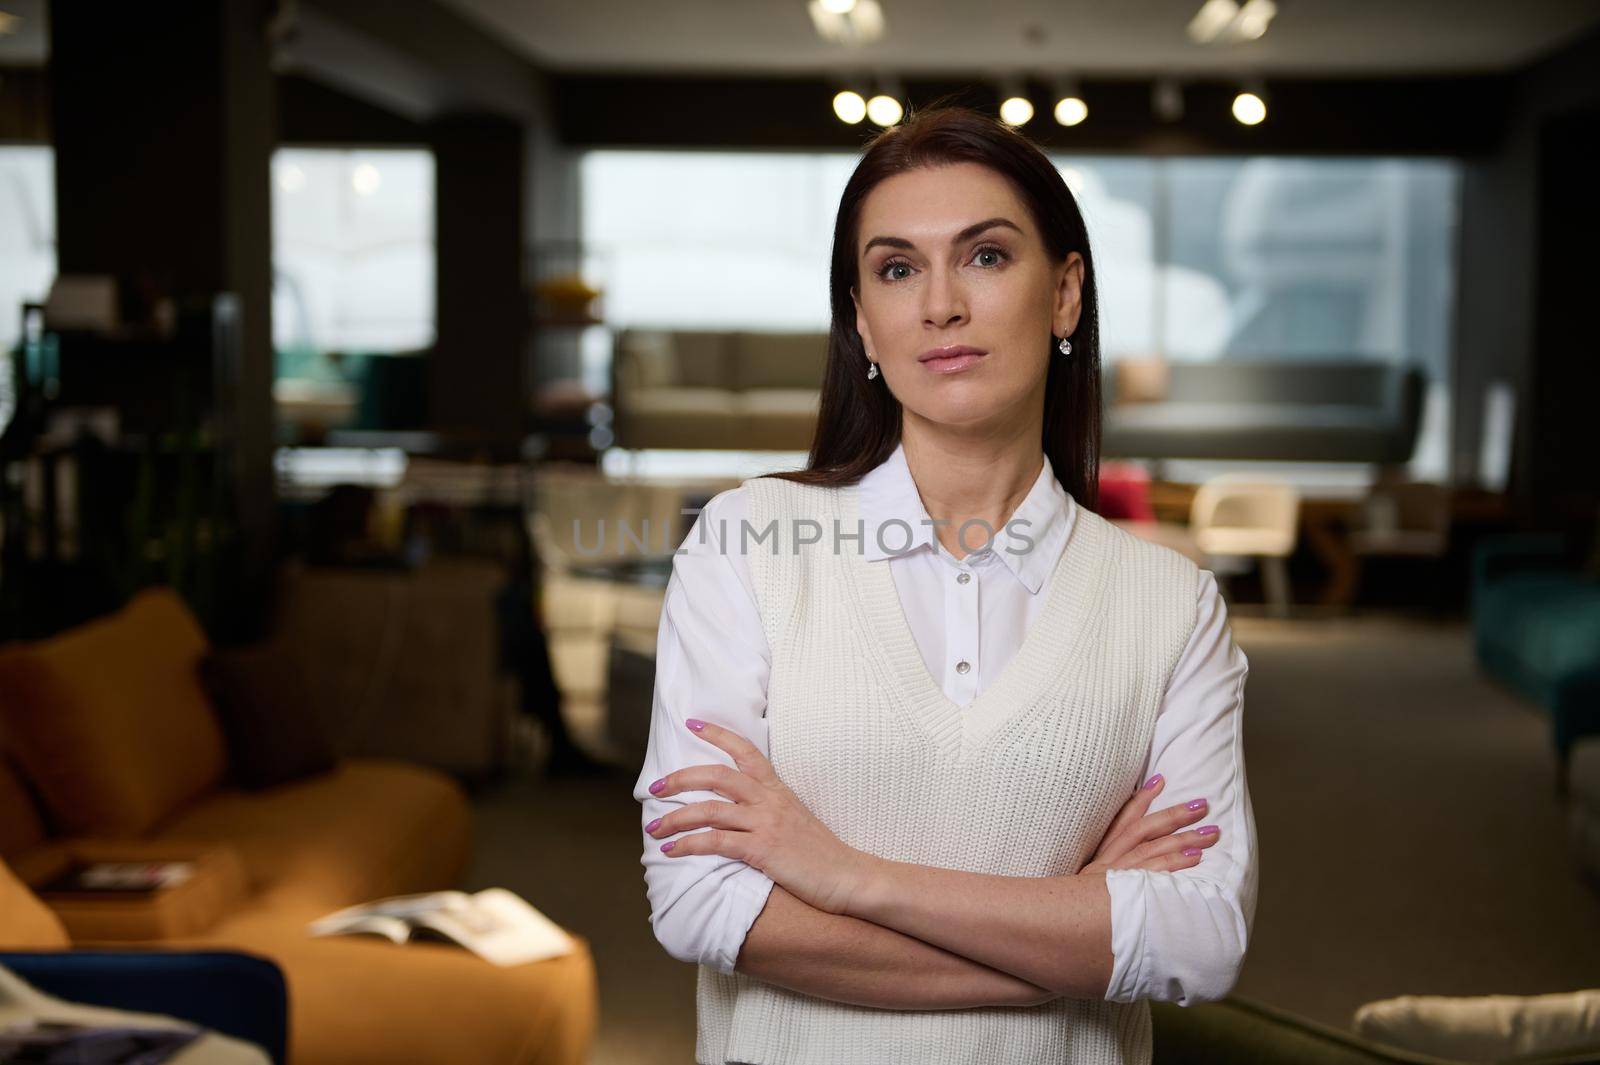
(1073, 594)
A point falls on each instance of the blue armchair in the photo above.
(239, 995)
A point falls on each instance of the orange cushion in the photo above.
(370, 827)
(26, 923)
(359, 1000)
(20, 826)
(110, 719)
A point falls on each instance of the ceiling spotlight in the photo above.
(1015, 107)
(1229, 22)
(1070, 107)
(884, 110)
(851, 24)
(1016, 110)
(1166, 99)
(1253, 18)
(1213, 18)
(1071, 110)
(849, 107)
(1249, 109)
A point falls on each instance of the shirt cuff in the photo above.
(1129, 897)
(743, 904)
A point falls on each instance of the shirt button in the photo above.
(963, 578)
(962, 666)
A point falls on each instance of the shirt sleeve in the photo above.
(712, 662)
(1181, 936)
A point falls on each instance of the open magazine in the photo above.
(494, 923)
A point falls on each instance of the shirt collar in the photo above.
(887, 495)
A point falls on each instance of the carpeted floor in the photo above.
(1410, 841)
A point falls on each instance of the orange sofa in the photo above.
(109, 747)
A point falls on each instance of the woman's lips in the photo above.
(952, 363)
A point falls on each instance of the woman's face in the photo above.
(949, 257)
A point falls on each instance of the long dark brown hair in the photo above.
(858, 425)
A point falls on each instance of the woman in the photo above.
(892, 801)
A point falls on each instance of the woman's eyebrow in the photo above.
(966, 234)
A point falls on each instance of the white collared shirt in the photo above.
(1170, 931)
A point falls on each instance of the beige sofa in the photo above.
(684, 389)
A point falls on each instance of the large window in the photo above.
(353, 255)
(27, 233)
(1196, 258)
(713, 239)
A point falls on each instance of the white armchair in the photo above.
(1248, 514)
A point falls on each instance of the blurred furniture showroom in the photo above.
(363, 368)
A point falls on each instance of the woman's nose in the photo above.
(943, 299)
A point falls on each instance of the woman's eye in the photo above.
(886, 270)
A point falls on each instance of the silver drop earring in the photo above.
(1065, 346)
(872, 367)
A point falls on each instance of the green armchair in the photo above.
(1238, 1031)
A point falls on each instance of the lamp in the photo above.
(851, 24)
(849, 107)
(1250, 105)
(885, 107)
(1070, 107)
(1015, 107)
(1225, 22)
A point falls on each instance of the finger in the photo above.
(746, 755)
(724, 780)
(1173, 844)
(1168, 861)
(1166, 821)
(1171, 863)
(1187, 858)
(713, 813)
(1133, 811)
(708, 841)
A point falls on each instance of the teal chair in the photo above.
(1536, 628)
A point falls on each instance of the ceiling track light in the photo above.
(849, 106)
(1223, 22)
(1070, 107)
(1253, 19)
(850, 23)
(886, 107)
(1016, 109)
(1250, 105)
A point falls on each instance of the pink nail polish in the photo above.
(667, 846)
(653, 825)
(1190, 852)
(658, 785)
(695, 723)
(1152, 782)
(1198, 804)
(1207, 830)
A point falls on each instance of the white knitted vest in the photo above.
(1023, 781)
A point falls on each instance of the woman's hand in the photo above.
(765, 825)
(1137, 840)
